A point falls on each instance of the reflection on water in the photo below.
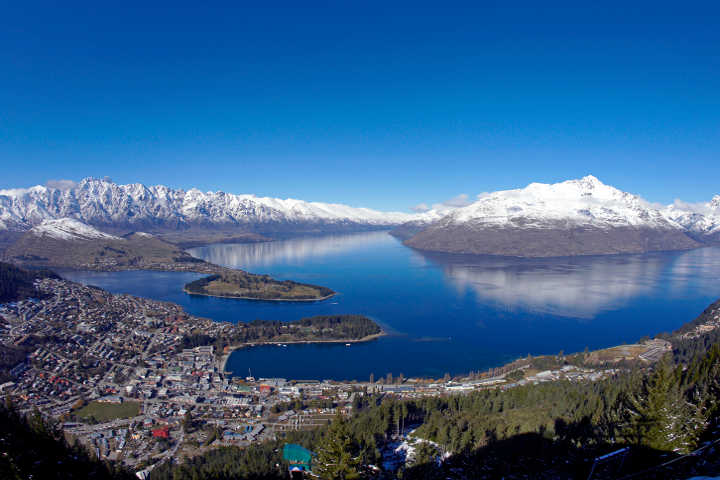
(570, 287)
(293, 250)
(577, 287)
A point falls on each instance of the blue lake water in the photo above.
(443, 313)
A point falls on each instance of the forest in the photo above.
(17, 283)
(236, 283)
(34, 448)
(320, 327)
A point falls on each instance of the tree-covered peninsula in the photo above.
(321, 328)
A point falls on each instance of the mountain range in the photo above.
(107, 205)
(575, 217)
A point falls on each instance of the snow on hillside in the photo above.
(102, 202)
(699, 218)
(69, 229)
(583, 202)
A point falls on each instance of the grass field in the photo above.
(614, 354)
(104, 412)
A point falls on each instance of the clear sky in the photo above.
(379, 104)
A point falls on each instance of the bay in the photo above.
(443, 313)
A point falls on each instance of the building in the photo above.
(299, 458)
(162, 432)
(116, 399)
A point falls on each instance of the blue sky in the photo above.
(364, 103)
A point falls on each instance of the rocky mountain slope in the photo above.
(112, 207)
(702, 221)
(576, 217)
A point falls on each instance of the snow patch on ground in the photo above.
(402, 452)
(70, 229)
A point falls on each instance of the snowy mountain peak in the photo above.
(581, 202)
(102, 203)
(702, 219)
(715, 202)
(69, 229)
(588, 182)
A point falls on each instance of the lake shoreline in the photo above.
(452, 313)
(232, 348)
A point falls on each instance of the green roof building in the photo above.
(299, 458)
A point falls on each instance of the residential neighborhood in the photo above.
(114, 371)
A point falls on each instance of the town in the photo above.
(114, 370)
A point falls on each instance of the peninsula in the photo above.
(346, 328)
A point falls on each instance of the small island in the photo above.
(247, 286)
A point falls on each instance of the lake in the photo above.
(443, 313)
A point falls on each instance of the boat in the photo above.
(347, 344)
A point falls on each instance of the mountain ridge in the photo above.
(104, 204)
(702, 221)
(574, 217)
(584, 210)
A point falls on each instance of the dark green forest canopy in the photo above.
(35, 448)
(17, 283)
(321, 327)
(261, 287)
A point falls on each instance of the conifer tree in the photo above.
(337, 456)
(663, 419)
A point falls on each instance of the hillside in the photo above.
(17, 284)
(68, 243)
(576, 217)
(702, 221)
(35, 448)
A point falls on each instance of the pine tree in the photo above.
(338, 457)
(663, 418)
(187, 422)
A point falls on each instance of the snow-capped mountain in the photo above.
(702, 221)
(69, 229)
(575, 217)
(586, 201)
(104, 204)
